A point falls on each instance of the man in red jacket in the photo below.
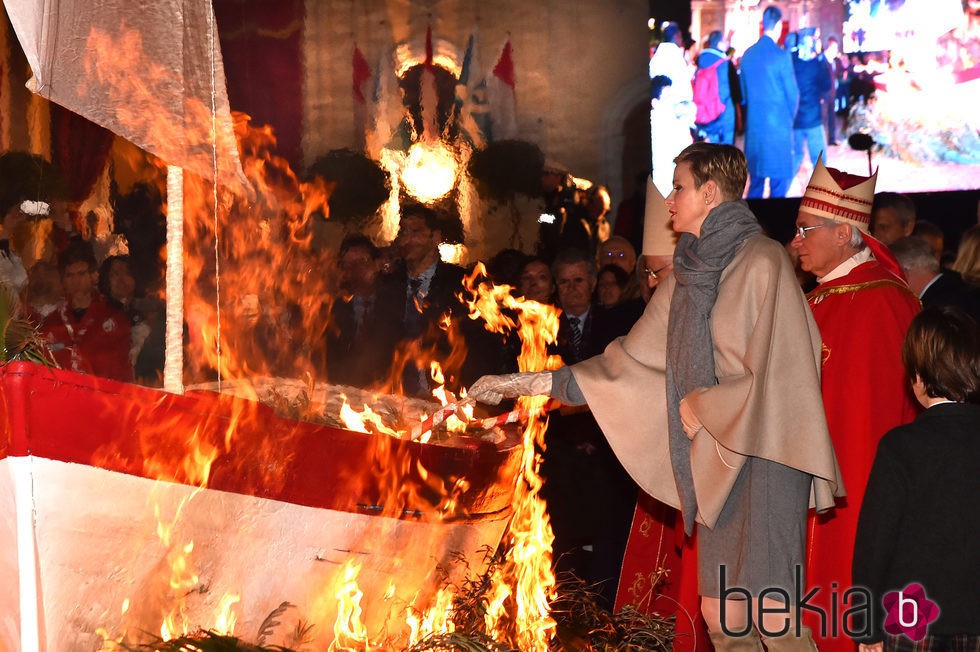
(84, 332)
(863, 308)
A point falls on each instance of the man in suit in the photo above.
(771, 95)
(590, 496)
(934, 286)
(426, 288)
(892, 216)
(575, 278)
(360, 339)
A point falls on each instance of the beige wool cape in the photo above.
(767, 402)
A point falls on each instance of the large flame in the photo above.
(254, 296)
(518, 607)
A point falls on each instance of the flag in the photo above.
(387, 114)
(466, 102)
(428, 93)
(502, 98)
(361, 75)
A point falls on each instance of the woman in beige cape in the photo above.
(712, 403)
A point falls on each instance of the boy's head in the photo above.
(941, 354)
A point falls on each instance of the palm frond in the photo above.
(19, 338)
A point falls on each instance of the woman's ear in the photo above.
(710, 192)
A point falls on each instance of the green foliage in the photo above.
(20, 338)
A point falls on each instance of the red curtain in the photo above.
(80, 149)
(262, 48)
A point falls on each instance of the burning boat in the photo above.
(127, 510)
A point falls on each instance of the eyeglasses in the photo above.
(652, 273)
(801, 230)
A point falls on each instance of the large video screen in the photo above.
(913, 85)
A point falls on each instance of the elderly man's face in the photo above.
(822, 249)
(575, 287)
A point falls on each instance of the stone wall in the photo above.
(580, 67)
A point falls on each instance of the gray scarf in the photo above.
(698, 264)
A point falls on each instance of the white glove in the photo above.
(493, 389)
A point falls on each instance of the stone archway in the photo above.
(620, 138)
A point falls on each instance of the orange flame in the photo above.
(254, 290)
(437, 619)
(349, 632)
(523, 585)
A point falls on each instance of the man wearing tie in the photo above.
(590, 497)
(575, 277)
(427, 286)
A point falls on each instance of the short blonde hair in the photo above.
(967, 261)
(723, 164)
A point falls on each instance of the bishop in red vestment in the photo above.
(863, 308)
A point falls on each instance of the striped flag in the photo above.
(467, 103)
(388, 125)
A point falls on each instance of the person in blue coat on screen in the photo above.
(771, 95)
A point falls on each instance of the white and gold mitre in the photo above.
(840, 196)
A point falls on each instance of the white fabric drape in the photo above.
(150, 72)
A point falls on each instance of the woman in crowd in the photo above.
(610, 285)
(967, 261)
(117, 284)
(725, 362)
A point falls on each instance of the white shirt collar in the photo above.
(581, 318)
(845, 267)
(929, 284)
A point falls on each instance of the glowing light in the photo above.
(368, 421)
(430, 171)
(225, 618)
(452, 253)
(349, 630)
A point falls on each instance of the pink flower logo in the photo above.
(909, 612)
